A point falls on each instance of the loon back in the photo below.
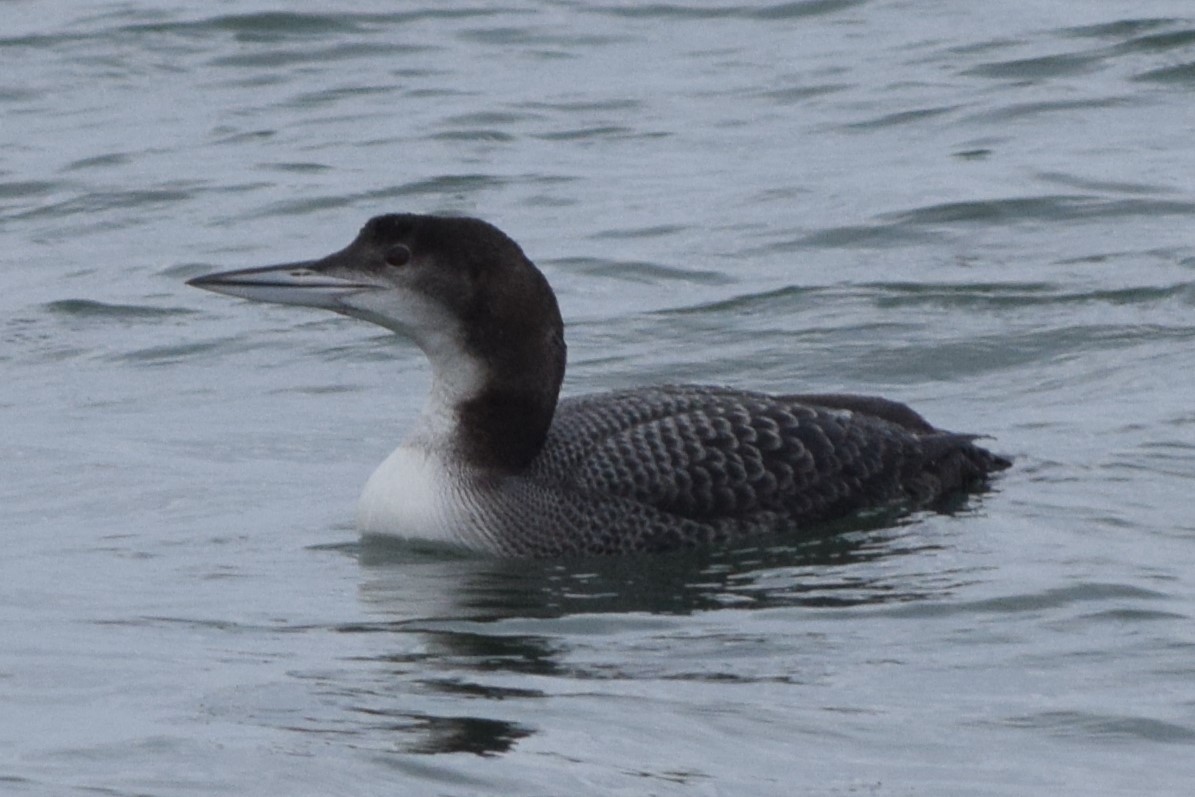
(656, 468)
(495, 464)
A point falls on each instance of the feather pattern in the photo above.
(680, 465)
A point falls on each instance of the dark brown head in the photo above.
(467, 295)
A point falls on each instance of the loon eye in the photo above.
(397, 255)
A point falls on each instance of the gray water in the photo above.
(984, 209)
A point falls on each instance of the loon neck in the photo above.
(492, 400)
(503, 430)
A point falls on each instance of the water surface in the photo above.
(985, 211)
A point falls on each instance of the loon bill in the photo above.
(497, 464)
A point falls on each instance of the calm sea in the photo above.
(984, 209)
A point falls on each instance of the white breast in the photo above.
(411, 495)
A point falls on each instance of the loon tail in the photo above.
(953, 464)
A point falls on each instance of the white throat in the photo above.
(457, 375)
(417, 491)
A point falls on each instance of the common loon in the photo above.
(497, 464)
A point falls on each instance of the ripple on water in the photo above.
(1038, 209)
(24, 189)
(90, 309)
(638, 271)
(87, 203)
(1036, 68)
(443, 187)
(1104, 727)
(1019, 110)
(1158, 42)
(778, 11)
(1183, 74)
(1119, 29)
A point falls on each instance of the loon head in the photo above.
(466, 294)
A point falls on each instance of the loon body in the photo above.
(496, 463)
